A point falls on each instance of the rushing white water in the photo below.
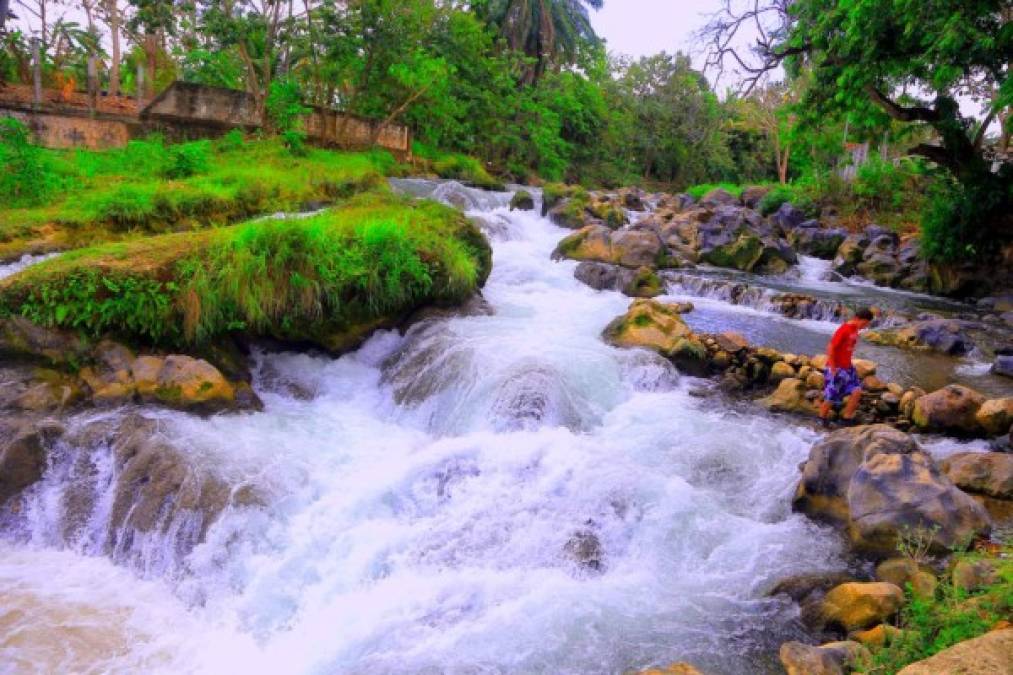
(26, 260)
(417, 499)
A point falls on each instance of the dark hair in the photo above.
(865, 314)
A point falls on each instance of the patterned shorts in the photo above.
(841, 385)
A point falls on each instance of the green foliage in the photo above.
(963, 222)
(188, 159)
(798, 196)
(26, 180)
(457, 167)
(376, 257)
(698, 192)
(931, 624)
(286, 111)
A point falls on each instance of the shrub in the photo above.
(231, 141)
(698, 192)
(880, 184)
(285, 110)
(26, 180)
(188, 159)
(964, 223)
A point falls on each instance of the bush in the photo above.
(286, 111)
(880, 184)
(965, 223)
(188, 159)
(698, 192)
(26, 179)
(797, 196)
(232, 141)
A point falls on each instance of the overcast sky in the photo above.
(644, 27)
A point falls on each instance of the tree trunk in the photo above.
(113, 18)
(150, 54)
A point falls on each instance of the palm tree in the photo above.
(549, 31)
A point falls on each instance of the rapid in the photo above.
(495, 491)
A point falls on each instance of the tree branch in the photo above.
(935, 153)
(899, 112)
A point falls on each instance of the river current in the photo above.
(420, 500)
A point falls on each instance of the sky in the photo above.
(644, 27)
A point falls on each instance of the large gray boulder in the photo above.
(878, 483)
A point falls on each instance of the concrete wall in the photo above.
(204, 109)
(188, 111)
(60, 130)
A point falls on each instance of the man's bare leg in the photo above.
(851, 407)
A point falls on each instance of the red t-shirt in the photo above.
(842, 346)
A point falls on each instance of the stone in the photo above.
(877, 482)
(873, 384)
(817, 241)
(732, 342)
(790, 396)
(593, 242)
(995, 416)
(989, 654)
(877, 636)
(585, 549)
(973, 575)
(987, 473)
(649, 324)
(752, 195)
(835, 658)
(636, 248)
(903, 571)
(815, 380)
(781, 370)
(522, 201)
(953, 408)
(1003, 365)
(600, 276)
(188, 382)
(907, 401)
(864, 367)
(893, 493)
(788, 217)
(718, 197)
(23, 457)
(20, 337)
(643, 283)
(946, 336)
(860, 605)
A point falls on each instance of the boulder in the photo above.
(817, 241)
(1003, 365)
(878, 483)
(946, 336)
(570, 213)
(23, 457)
(584, 548)
(522, 201)
(718, 197)
(189, 382)
(995, 416)
(593, 242)
(974, 575)
(903, 571)
(877, 636)
(601, 276)
(990, 654)
(849, 254)
(987, 473)
(643, 283)
(21, 338)
(636, 248)
(835, 658)
(790, 396)
(788, 217)
(857, 605)
(781, 371)
(649, 324)
(953, 408)
(752, 195)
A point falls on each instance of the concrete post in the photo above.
(92, 83)
(139, 85)
(37, 71)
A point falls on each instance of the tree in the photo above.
(768, 110)
(906, 61)
(548, 31)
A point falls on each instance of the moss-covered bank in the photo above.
(326, 280)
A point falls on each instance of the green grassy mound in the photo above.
(327, 280)
(148, 187)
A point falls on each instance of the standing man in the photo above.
(841, 382)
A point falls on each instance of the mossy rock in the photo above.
(742, 254)
(522, 201)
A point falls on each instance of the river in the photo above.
(418, 497)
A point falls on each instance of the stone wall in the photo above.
(62, 130)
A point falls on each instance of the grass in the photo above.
(456, 166)
(325, 279)
(951, 615)
(698, 192)
(148, 187)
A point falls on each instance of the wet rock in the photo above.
(731, 342)
(522, 201)
(788, 217)
(585, 549)
(23, 456)
(790, 396)
(811, 239)
(650, 324)
(835, 658)
(593, 243)
(1003, 365)
(781, 371)
(907, 401)
(987, 473)
(643, 283)
(808, 590)
(877, 482)
(995, 416)
(856, 605)
(21, 338)
(946, 336)
(992, 653)
(49, 390)
(952, 408)
(636, 248)
(877, 636)
(849, 254)
(600, 276)
(189, 382)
